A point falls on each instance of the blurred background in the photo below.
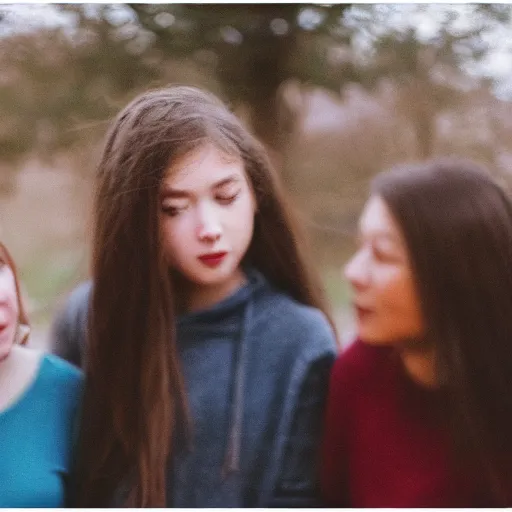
(336, 92)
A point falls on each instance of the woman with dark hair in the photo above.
(208, 345)
(420, 406)
(39, 399)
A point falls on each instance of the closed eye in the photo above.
(227, 199)
(173, 210)
(386, 255)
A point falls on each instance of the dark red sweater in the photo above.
(387, 440)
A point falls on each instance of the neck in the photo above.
(420, 366)
(9, 361)
(17, 371)
(197, 297)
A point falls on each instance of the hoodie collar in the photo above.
(234, 303)
(239, 304)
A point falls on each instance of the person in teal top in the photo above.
(39, 401)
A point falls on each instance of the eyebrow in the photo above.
(169, 192)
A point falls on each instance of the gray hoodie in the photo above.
(256, 368)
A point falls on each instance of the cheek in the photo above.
(174, 237)
(401, 299)
(241, 217)
(409, 295)
(8, 290)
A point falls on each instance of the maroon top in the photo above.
(387, 440)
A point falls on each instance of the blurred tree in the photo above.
(58, 84)
(430, 72)
(252, 49)
(243, 52)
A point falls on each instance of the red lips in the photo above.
(213, 259)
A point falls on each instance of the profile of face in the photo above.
(384, 293)
(9, 310)
(207, 209)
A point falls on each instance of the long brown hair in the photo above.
(457, 223)
(23, 322)
(135, 400)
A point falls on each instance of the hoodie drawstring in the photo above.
(232, 458)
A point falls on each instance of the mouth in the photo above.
(213, 259)
(362, 312)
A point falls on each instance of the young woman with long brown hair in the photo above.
(39, 400)
(420, 406)
(208, 344)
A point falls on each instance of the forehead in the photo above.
(202, 168)
(377, 219)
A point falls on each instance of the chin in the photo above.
(375, 341)
(5, 351)
(212, 276)
(373, 338)
(396, 340)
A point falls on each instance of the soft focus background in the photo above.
(337, 93)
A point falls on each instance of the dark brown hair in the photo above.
(135, 400)
(6, 258)
(457, 224)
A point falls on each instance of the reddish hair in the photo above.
(6, 258)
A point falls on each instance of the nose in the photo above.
(209, 228)
(357, 270)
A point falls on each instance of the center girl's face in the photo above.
(385, 298)
(207, 216)
(9, 311)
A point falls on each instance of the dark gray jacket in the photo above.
(68, 332)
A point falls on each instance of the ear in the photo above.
(22, 334)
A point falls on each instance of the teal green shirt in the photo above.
(37, 433)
